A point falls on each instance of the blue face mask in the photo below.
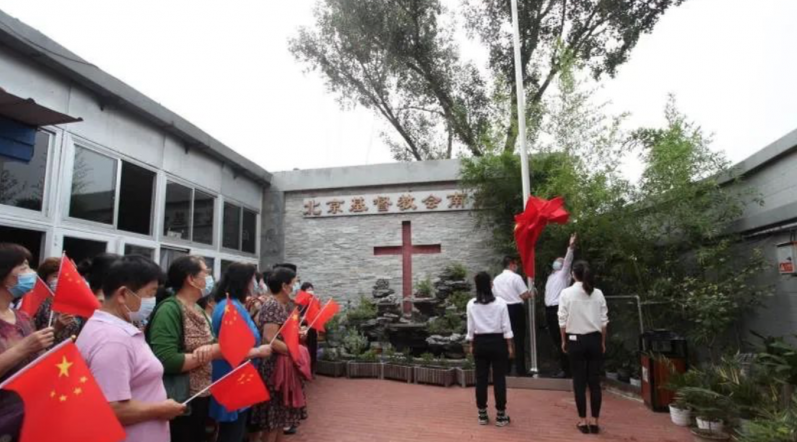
(557, 265)
(296, 288)
(25, 283)
(209, 283)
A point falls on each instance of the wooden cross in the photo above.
(406, 250)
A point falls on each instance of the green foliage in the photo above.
(779, 358)
(354, 342)
(773, 426)
(456, 272)
(469, 363)
(368, 356)
(365, 311)
(447, 324)
(424, 288)
(707, 404)
(460, 301)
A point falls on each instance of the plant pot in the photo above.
(714, 426)
(744, 424)
(465, 377)
(397, 372)
(333, 369)
(680, 417)
(624, 375)
(612, 375)
(443, 377)
(635, 382)
(699, 435)
(371, 370)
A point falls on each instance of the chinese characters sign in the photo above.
(387, 203)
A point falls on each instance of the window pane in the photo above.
(30, 239)
(93, 186)
(168, 255)
(203, 217)
(135, 199)
(178, 212)
(224, 265)
(78, 249)
(249, 231)
(211, 263)
(232, 227)
(131, 249)
(22, 184)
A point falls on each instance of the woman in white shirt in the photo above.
(490, 336)
(583, 318)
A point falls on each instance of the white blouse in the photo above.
(581, 313)
(489, 319)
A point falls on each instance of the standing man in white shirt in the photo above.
(558, 280)
(510, 287)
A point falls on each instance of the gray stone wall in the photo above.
(337, 254)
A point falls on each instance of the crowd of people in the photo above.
(153, 343)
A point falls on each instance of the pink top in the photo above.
(125, 368)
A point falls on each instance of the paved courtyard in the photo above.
(343, 410)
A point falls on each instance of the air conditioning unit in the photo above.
(787, 254)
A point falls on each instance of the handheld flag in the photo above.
(290, 334)
(530, 224)
(303, 298)
(241, 388)
(35, 298)
(62, 400)
(72, 295)
(235, 337)
(313, 309)
(331, 308)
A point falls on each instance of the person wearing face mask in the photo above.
(65, 325)
(254, 302)
(181, 337)
(238, 283)
(557, 282)
(128, 373)
(19, 342)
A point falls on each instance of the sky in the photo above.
(225, 66)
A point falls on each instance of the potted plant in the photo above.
(433, 372)
(466, 374)
(709, 436)
(366, 365)
(711, 409)
(330, 364)
(398, 367)
(680, 412)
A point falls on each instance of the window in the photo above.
(224, 265)
(168, 255)
(131, 249)
(22, 184)
(177, 215)
(93, 187)
(211, 263)
(136, 191)
(30, 239)
(232, 227)
(249, 232)
(204, 214)
(78, 249)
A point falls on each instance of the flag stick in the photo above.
(319, 313)
(217, 381)
(50, 322)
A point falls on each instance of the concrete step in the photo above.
(528, 383)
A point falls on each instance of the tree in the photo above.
(399, 58)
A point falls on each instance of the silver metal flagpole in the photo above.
(524, 171)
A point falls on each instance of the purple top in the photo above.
(125, 368)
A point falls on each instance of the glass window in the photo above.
(168, 255)
(131, 249)
(30, 239)
(22, 184)
(232, 227)
(224, 265)
(177, 214)
(93, 186)
(78, 249)
(249, 232)
(136, 193)
(203, 217)
(211, 263)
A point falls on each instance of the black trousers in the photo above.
(491, 351)
(517, 316)
(234, 431)
(586, 361)
(191, 428)
(552, 321)
(312, 347)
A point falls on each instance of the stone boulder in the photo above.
(448, 346)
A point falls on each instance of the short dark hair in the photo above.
(48, 267)
(11, 256)
(286, 265)
(235, 281)
(307, 286)
(509, 260)
(182, 268)
(133, 272)
(95, 269)
(280, 275)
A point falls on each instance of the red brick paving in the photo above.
(348, 410)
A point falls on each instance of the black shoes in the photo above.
(483, 418)
(502, 420)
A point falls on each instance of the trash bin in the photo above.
(661, 352)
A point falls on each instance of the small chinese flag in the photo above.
(63, 401)
(240, 389)
(235, 337)
(290, 334)
(331, 308)
(303, 298)
(72, 295)
(530, 224)
(35, 298)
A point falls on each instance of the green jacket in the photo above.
(165, 335)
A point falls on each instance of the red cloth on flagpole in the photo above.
(72, 295)
(530, 224)
(235, 337)
(303, 298)
(242, 388)
(290, 334)
(331, 308)
(35, 298)
(63, 401)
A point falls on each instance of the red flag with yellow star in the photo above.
(290, 334)
(235, 337)
(35, 298)
(62, 400)
(72, 295)
(530, 224)
(241, 388)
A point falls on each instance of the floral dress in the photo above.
(272, 415)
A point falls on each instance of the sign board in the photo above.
(387, 203)
(787, 252)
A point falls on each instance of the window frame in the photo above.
(179, 242)
(241, 207)
(49, 174)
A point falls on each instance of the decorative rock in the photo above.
(382, 293)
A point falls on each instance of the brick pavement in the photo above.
(348, 410)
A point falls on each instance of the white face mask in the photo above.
(144, 310)
(296, 288)
(557, 265)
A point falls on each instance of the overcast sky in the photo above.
(225, 67)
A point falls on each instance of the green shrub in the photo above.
(424, 288)
(368, 356)
(354, 342)
(450, 323)
(772, 427)
(456, 272)
(365, 311)
(460, 301)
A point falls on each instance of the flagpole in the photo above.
(217, 381)
(319, 313)
(60, 267)
(524, 169)
(280, 329)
